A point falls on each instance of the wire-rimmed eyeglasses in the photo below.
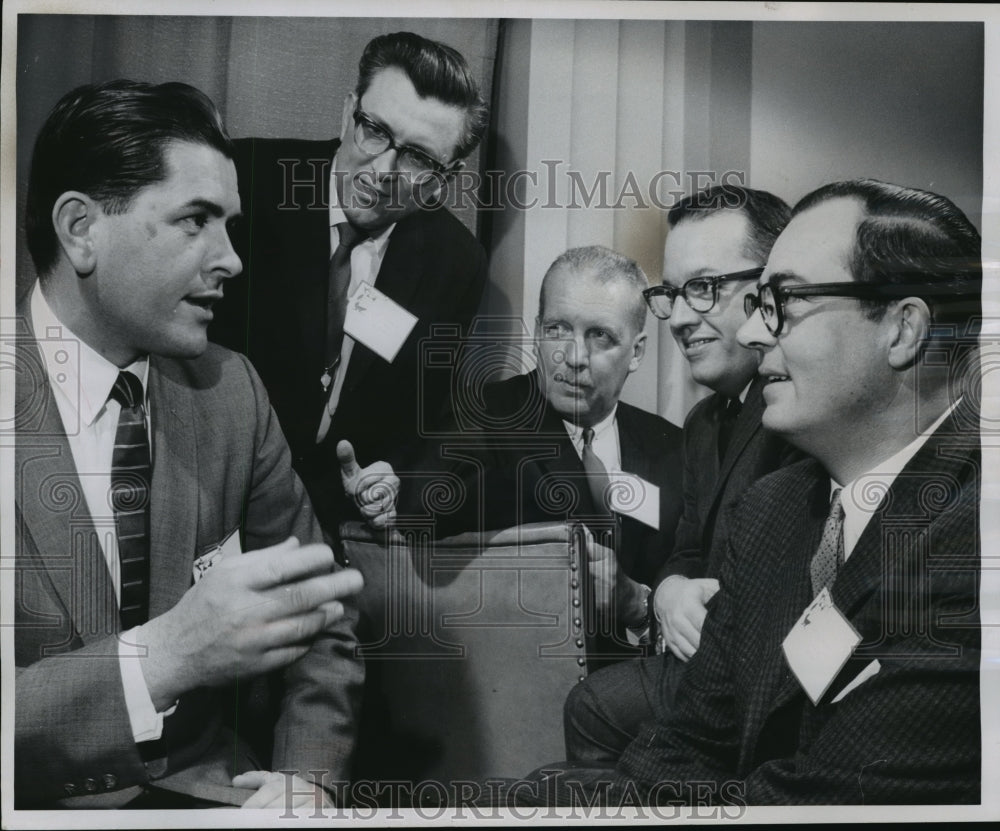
(700, 293)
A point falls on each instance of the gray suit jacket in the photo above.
(220, 464)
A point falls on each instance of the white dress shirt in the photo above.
(366, 260)
(856, 498)
(605, 443)
(81, 381)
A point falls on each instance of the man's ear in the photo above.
(911, 325)
(347, 117)
(73, 218)
(638, 351)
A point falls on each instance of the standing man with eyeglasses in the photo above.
(350, 261)
(716, 247)
(839, 661)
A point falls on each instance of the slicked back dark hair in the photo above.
(911, 235)
(436, 71)
(766, 214)
(107, 140)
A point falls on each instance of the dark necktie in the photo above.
(130, 485)
(830, 554)
(336, 297)
(726, 423)
(597, 474)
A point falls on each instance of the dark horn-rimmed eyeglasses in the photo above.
(700, 293)
(770, 300)
(373, 138)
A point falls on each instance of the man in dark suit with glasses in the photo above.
(349, 261)
(717, 244)
(839, 661)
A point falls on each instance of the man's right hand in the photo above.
(679, 606)
(248, 615)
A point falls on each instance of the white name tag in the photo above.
(378, 321)
(217, 553)
(819, 645)
(633, 496)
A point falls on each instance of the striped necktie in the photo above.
(131, 474)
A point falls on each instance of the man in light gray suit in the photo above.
(147, 462)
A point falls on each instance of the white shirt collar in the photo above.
(607, 423)
(862, 496)
(83, 376)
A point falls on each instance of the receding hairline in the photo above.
(594, 274)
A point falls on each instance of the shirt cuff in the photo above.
(146, 722)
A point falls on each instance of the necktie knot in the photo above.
(349, 236)
(727, 421)
(127, 390)
(588, 437)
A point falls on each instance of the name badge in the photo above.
(633, 496)
(378, 321)
(819, 645)
(217, 553)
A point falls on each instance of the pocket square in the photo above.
(869, 671)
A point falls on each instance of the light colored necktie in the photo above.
(597, 474)
(830, 554)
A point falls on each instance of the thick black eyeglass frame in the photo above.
(714, 280)
(861, 291)
(362, 120)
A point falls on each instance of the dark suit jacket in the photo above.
(525, 469)
(909, 734)
(532, 473)
(220, 464)
(712, 490)
(274, 313)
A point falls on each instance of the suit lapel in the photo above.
(747, 426)
(893, 535)
(53, 507)
(634, 459)
(800, 540)
(175, 489)
(398, 278)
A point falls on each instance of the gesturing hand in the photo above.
(249, 615)
(374, 489)
(679, 605)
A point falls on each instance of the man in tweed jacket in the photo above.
(862, 316)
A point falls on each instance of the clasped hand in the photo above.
(680, 607)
